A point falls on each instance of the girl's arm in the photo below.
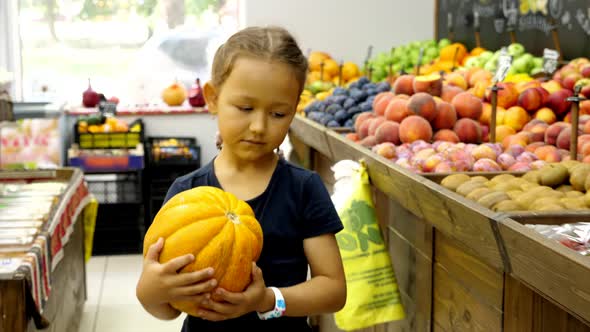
(325, 292)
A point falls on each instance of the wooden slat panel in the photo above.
(413, 267)
(452, 214)
(12, 305)
(481, 281)
(322, 165)
(313, 134)
(455, 309)
(553, 270)
(518, 306)
(301, 153)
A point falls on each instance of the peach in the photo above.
(482, 152)
(468, 131)
(431, 162)
(506, 161)
(467, 105)
(369, 141)
(553, 131)
(507, 97)
(364, 129)
(423, 104)
(538, 129)
(402, 96)
(404, 85)
(480, 88)
(558, 103)
(503, 131)
(361, 118)
(585, 107)
(564, 139)
(486, 165)
(521, 166)
(585, 71)
(375, 123)
(522, 86)
(397, 110)
(479, 76)
(582, 140)
(546, 114)
(381, 101)
(353, 137)
(446, 116)
(516, 117)
(585, 91)
(548, 153)
(515, 140)
(486, 114)
(386, 150)
(457, 79)
(415, 128)
(586, 159)
(544, 95)
(446, 135)
(530, 99)
(570, 80)
(388, 132)
(534, 146)
(449, 92)
(551, 86)
(430, 84)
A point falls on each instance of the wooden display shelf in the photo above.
(460, 266)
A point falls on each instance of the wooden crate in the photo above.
(462, 267)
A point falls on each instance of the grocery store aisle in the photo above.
(111, 305)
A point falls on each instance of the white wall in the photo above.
(345, 28)
(10, 44)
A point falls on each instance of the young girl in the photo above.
(257, 77)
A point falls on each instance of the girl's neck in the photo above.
(232, 162)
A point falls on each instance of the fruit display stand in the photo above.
(43, 285)
(460, 266)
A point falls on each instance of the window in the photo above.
(129, 49)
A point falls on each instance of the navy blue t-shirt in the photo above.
(294, 206)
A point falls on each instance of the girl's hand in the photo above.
(162, 284)
(234, 305)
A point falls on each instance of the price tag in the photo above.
(107, 108)
(504, 63)
(450, 21)
(369, 53)
(550, 58)
(476, 21)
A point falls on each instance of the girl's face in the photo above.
(255, 106)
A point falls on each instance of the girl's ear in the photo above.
(211, 96)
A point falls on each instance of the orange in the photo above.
(331, 68)
(315, 60)
(447, 53)
(349, 71)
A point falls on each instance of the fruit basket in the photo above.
(173, 150)
(99, 132)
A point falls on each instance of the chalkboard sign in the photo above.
(534, 23)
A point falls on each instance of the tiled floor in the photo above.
(111, 305)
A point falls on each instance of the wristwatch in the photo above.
(279, 309)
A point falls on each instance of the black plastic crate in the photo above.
(128, 140)
(188, 152)
(119, 229)
(115, 188)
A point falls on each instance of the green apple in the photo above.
(490, 66)
(474, 62)
(536, 70)
(443, 42)
(486, 55)
(516, 50)
(538, 62)
(431, 52)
